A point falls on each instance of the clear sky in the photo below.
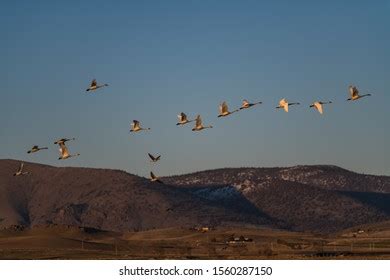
(164, 57)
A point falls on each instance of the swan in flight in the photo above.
(153, 158)
(183, 119)
(246, 104)
(20, 170)
(135, 126)
(354, 92)
(95, 86)
(318, 105)
(283, 104)
(198, 124)
(35, 148)
(64, 152)
(224, 110)
(154, 178)
(63, 140)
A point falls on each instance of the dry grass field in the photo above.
(60, 242)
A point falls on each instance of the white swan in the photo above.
(95, 86)
(318, 105)
(136, 126)
(153, 158)
(198, 124)
(183, 119)
(35, 149)
(224, 110)
(64, 152)
(246, 104)
(354, 93)
(20, 170)
(154, 178)
(283, 104)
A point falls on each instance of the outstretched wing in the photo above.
(182, 117)
(355, 92)
(63, 150)
(62, 140)
(198, 121)
(224, 107)
(151, 157)
(285, 107)
(21, 167)
(318, 105)
(93, 83)
(135, 124)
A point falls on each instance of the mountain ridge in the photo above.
(315, 198)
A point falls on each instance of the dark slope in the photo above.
(315, 198)
(305, 198)
(111, 200)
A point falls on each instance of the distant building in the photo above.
(241, 239)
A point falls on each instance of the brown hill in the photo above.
(323, 176)
(110, 200)
(315, 198)
(305, 198)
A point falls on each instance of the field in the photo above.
(59, 242)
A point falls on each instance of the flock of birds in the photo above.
(183, 120)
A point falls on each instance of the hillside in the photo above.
(315, 198)
(109, 199)
(322, 176)
(319, 199)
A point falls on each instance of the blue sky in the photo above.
(164, 57)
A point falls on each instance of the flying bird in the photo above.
(224, 110)
(153, 158)
(135, 126)
(246, 104)
(283, 104)
(63, 140)
(198, 124)
(64, 152)
(154, 178)
(318, 105)
(354, 92)
(183, 119)
(20, 170)
(95, 86)
(35, 149)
